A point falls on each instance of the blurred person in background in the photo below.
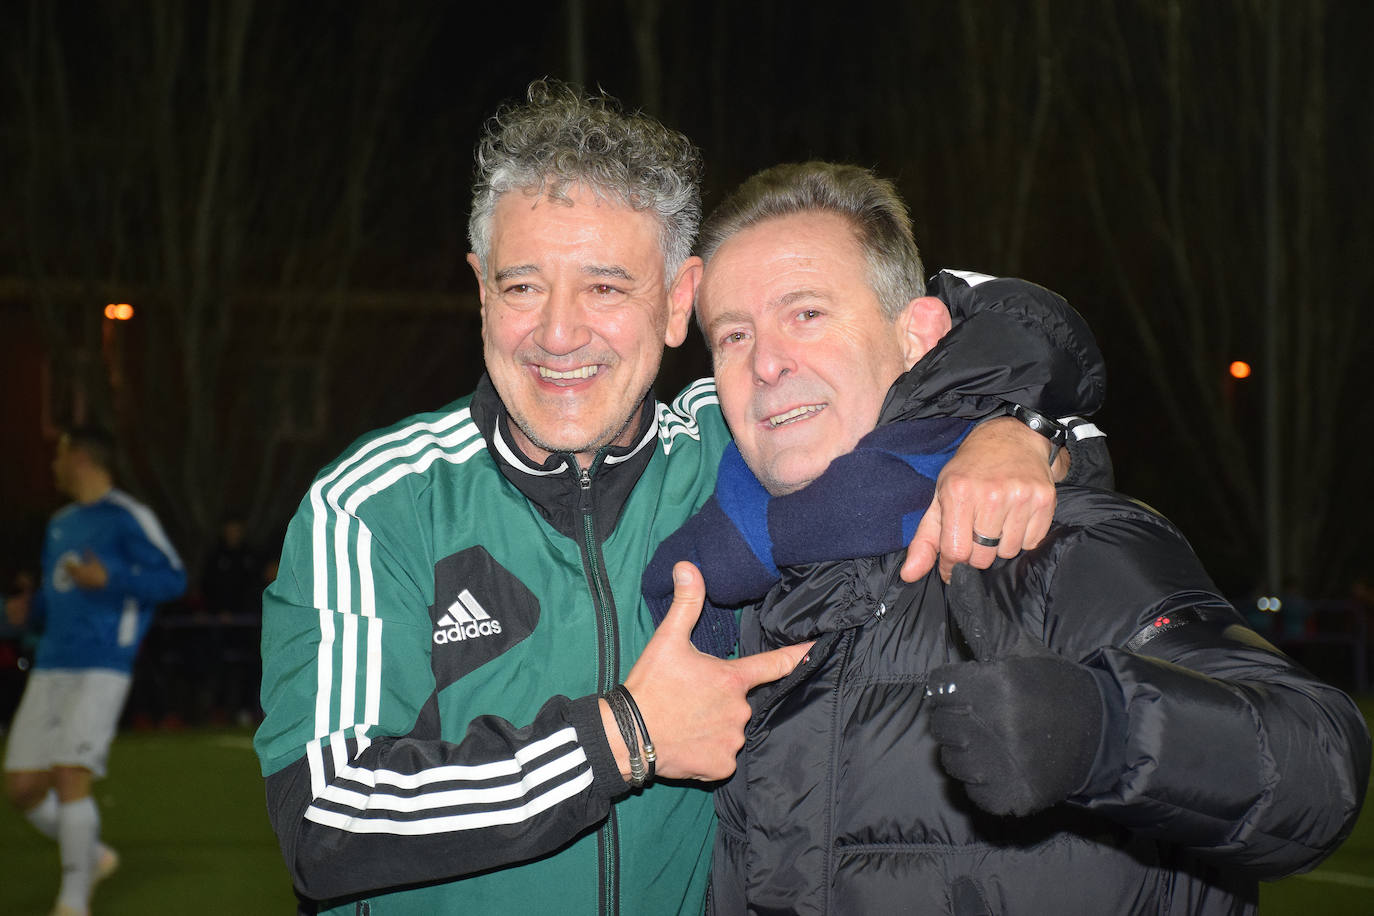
(231, 582)
(106, 564)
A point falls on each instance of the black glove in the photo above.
(1020, 727)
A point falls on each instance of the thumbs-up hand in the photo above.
(1021, 725)
(694, 704)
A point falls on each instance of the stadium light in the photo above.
(1240, 369)
(119, 311)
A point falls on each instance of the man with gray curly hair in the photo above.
(564, 139)
(467, 702)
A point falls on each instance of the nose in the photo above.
(562, 324)
(772, 358)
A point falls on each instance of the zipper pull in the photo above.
(584, 481)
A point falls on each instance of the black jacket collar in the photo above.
(555, 487)
(1012, 341)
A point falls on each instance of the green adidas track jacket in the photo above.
(445, 615)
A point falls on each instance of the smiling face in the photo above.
(803, 354)
(575, 314)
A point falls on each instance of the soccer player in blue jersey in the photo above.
(106, 564)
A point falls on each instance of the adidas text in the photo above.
(470, 630)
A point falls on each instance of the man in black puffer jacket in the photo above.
(1085, 728)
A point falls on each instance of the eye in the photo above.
(605, 289)
(733, 337)
(808, 314)
(518, 289)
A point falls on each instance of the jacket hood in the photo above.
(1013, 342)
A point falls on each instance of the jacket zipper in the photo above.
(608, 675)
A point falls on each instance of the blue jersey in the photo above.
(102, 627)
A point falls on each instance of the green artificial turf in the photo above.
(185, 809)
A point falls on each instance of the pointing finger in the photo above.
(771, 665)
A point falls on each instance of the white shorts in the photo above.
(66, 718)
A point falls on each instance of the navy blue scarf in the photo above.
(868, 502)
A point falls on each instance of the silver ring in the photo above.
(986, 541)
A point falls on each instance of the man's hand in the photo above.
(89, 573)
(999, 484)
(17, 609)
(1020, 727)
(694, 704)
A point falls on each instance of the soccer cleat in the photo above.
(106, 864)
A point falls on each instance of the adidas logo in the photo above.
(464, 619)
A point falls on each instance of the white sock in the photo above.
(44, 819)
(44, 815)
(78, 832)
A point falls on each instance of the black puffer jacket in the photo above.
(1238, 763)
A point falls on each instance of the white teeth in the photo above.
(581, 372)
(794, 414)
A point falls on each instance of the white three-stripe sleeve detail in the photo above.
(366, 592)
(372, 702)
(322, 498)
(314, 753)
(456, 797)
(343, 571)
(363, 563)
(453, 822)
(338, 750)
(452, 772)
(365, 814)
(398, 471)
(348, 670)
(348, 664)
(324, 672)
(681, 418)
(368, 643)
(319, 511)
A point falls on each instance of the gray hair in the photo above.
(563, 137)
(874, 209)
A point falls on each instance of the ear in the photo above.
(476, 266)
(921, 325)
(680, 297)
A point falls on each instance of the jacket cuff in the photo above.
(585, 715)
(1110, 760)
(1194, 758)
(1090, 463)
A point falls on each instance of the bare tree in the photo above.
(1174, 156)
(998, 112)
(224, 176)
